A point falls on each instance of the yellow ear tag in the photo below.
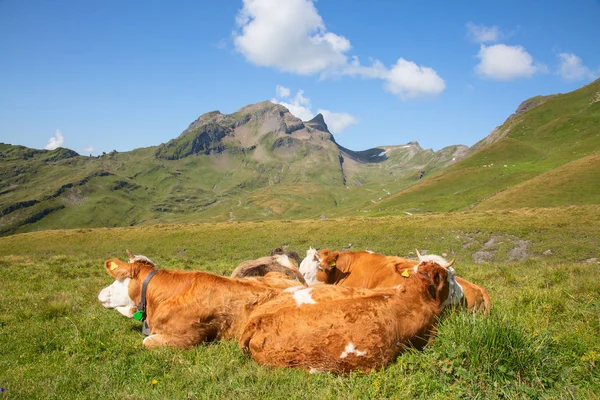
(405, 273)
(113, 265)
(332, 264)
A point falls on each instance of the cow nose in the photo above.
(103, 296)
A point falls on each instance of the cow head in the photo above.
(327, 259)
(441, 282)
(309, 266)
(455, 294)
(119, 295)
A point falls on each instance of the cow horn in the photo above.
(418, 254)
(450, 263)
(131, 255)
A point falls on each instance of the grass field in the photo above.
(540, 341)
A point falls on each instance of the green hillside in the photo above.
(545, 133)
(263, 163)
(258, 163)
(575, 183)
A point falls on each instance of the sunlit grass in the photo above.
(540, 341)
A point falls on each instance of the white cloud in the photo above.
(301, 107)
(291, 36)
(288, 35)
(572, 68)
(282, 91)
(408, 80)
(337, 122)
(89, 149)
(505, 63)
(482, 33)
(55, 141)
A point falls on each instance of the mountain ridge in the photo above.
(261, 162)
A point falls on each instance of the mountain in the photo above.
(260, 162)
(544, 155)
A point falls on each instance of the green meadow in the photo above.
(541, 339)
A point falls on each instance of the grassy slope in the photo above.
(575, 183)
(540, 340)
(562, 129)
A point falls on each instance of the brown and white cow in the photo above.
(371, 270)
(341, 329)
(186, 308)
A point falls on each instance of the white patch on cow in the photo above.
(415, 268)
(370, 251)
(433, 258)
(309, 267)
(304, 296)
(143, 259)
(284, 260)
(315, 371)
(292, 289)
(126, 311)
(149, 337)
(117, 296)
(350, 349)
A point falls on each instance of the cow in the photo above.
(476, 296)
(186, 308)
(278, 261)
(371, 270)
(342, 329)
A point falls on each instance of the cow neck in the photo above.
(142, 303)
(143, 274)
(339, 275)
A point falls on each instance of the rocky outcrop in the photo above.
(318, 123)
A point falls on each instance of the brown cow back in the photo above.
(340, 329)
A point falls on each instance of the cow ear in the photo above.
(323, 254)
(117, 268)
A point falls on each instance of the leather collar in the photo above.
(142, 304)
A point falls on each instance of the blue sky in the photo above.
(96, 76)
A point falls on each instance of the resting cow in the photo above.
(370, 270)
(341, 329)
(278, 261)
(186, 308)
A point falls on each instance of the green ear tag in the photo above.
(138, 315)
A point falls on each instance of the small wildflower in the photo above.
(154, 381)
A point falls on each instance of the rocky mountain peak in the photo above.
(318, 122)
